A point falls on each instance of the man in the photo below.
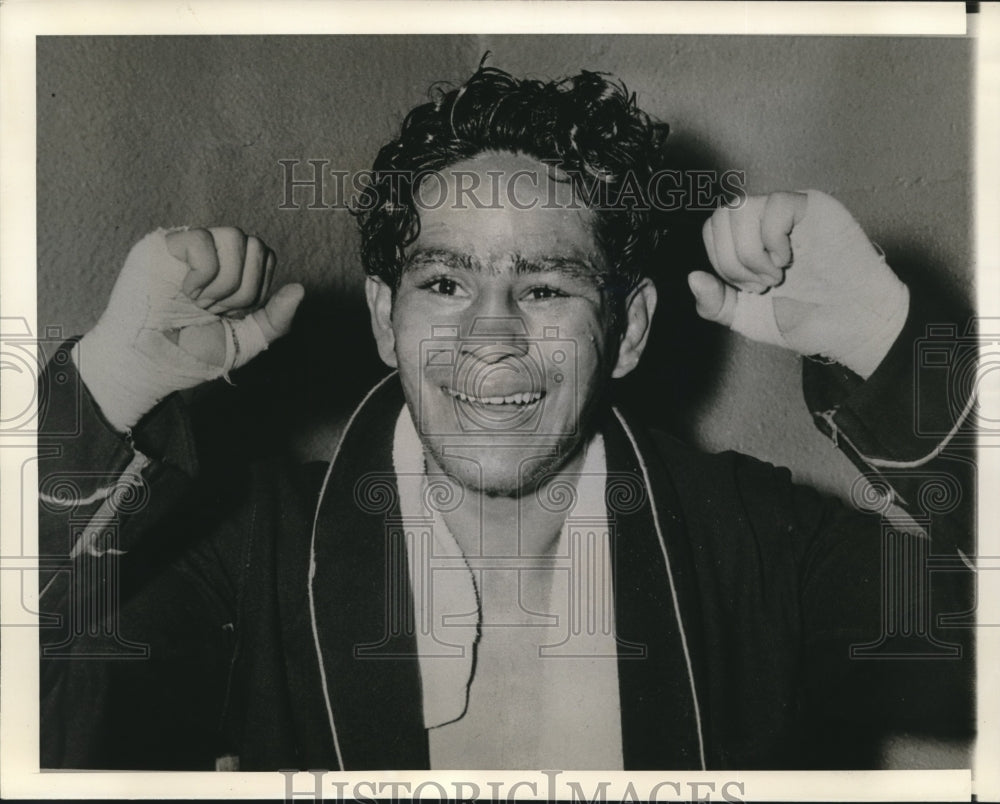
(498, 568)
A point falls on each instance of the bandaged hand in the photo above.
(796, 270)
(188, 307)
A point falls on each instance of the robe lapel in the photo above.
(362, 609)
(661, 718)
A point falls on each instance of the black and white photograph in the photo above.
(492, 402)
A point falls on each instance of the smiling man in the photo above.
(498, 568)
(517, 284)
(505, 408)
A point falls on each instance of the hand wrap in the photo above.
(844, 295)
(127, 361)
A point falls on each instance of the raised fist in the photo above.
(189, 306)
(796, 270)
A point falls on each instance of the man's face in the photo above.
(500, 328)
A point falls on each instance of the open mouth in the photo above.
(521, 399)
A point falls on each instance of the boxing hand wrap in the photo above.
(127, 361)
(838, 300)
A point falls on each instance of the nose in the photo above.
(493, 338)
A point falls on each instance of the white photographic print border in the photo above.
(22, 22)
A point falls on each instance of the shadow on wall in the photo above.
(680, 368)
(296, 395)
(927, 278)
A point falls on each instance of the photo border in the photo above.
(21, 22)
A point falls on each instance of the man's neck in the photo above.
(518, 525)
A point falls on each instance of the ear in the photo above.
(379, 297)
(639, 309)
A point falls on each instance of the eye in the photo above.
(441, 286)
(544, 292)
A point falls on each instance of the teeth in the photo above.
(524, 398)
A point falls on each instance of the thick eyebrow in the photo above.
(437, 256)
(573, 267)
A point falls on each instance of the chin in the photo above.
(501, 471)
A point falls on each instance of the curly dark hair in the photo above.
(587, 126)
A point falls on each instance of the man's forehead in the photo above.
(498, 180)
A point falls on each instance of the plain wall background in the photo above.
(139, 132)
